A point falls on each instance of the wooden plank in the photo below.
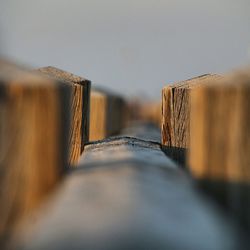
(127, 195)
(220, 139)
(33, 141)
(80, 105)
(106, 114)
(176, 111)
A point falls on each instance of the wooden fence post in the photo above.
(106, 114)
(220, 140)
(176, 110)
(80, 105)
(33, 141)
(176, 116)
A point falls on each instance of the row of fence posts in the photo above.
(47, 115)
(44, 124)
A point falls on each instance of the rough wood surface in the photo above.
(176, 111)
(220, 137)
(106, 114)
(80, 105)
(33, 141)
(126, 195)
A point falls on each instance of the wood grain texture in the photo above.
(127, 195)
(220, 139)
(33, 141)
(106, 114)
(220, 129)
(176, 111)
(80, 106)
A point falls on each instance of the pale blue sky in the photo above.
(132, 46)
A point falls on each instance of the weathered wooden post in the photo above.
(80, 105)
(33, 141)
(176, 111)
(106, 114)
(176, 115)
(220, 140)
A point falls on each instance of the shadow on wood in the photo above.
(177, 154)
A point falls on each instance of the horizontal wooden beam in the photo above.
(126, 194)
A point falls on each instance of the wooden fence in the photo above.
(74, 175)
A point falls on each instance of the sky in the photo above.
(133, 47)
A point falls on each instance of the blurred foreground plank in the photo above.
(176, 111)
(126, 194)
(80, 105)
(220, 140)
(106, 114)
(33, 141)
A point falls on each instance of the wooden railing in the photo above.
(130, 189)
